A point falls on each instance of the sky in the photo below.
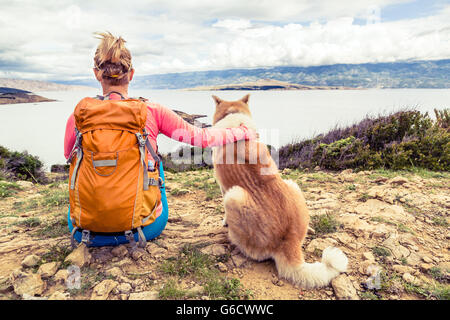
(53, 39)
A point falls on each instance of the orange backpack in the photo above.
(111, 187)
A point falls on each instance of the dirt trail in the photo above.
(392, 226)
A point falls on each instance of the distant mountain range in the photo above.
(414, 74)
(35, 85)
(418, 74)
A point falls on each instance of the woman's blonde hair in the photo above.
(112, 58)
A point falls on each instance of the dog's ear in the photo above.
(217, 100)
(245, 99)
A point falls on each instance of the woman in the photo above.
(114, 71)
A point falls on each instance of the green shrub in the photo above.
(21, 166)
(402, 140)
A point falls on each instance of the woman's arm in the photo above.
(173, 126)
(69, 137)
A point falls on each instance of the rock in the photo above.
(196, 290)
(26, 296)
(47, 270)
(57, 295)
(101, 291)
(361, 228)
(320, 244)
(137, 253)
(403, 269)
(27, 283)
(381, 180)
(124, 288)
(61, 276)
(30, 261)
(413, 259)
(426, 267)
(215, 250)
(145, 295)
(103, 255)
(211, 181)
(119, 251)
(5, 285)
(222, 267)
(368, 256)
(25, 184)
(398, 181)
(427, 259)
(80, 256)
(343, 288)
(115, 272)
(377, 208)
(239, 260)
(397, 250)
(411, 279)
(343, 237)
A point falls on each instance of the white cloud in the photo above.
(53, 39)
(233, 24)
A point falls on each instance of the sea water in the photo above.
(281, 116)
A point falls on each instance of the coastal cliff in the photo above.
(13, 95)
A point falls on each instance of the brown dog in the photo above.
(267, 216)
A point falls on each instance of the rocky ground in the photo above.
(393, 226)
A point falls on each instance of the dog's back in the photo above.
(267, 216)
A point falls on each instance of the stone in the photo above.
(343, 237)
(144, 295)
(426, 267)
(115, 272)
(222, 267)
(377, 208)
(427, 259)
(196, 290)
(320, 244)
(102, 290)
(27, 283)
(362, 228)
(397, 250)
(411, 279)
(119, 251)
(398, 181)
(343, 288)
(5, 285)
(239, 260)
(211, 181)
(57, 295)
(137, 253)
(215, 250)
(124, 288)
(25, 184)
(368, 256)
(80, 256)
(30, 261)
(47, 270)
(61, 275)
(403, 269)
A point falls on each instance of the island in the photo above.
(267, 84)
(13, 95)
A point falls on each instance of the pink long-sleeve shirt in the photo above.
(163, 120)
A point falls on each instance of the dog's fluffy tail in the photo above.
(317, 274)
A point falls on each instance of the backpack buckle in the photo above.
(141, 139)
(86, 237)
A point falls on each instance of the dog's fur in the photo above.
(267, 216)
